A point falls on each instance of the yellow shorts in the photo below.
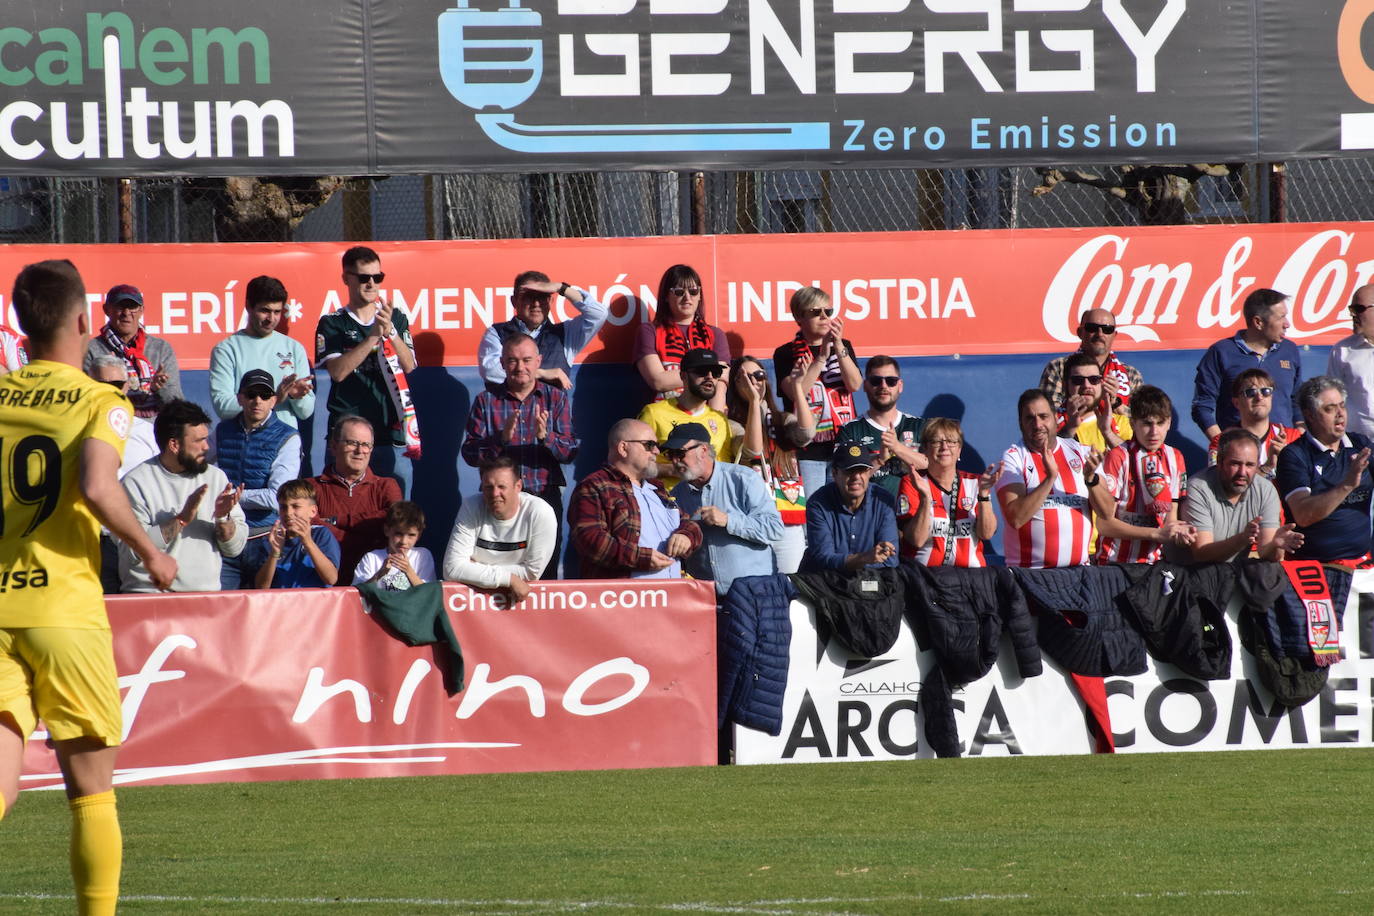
(64, 676)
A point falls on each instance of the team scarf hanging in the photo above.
(399, 389)
(141, 370)
(828, 399)
(1151, 473)
(1116, 380)
(781, 474)
(1323, 629)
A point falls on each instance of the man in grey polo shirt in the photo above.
(1232, 509)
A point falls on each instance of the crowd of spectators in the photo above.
(725, 472)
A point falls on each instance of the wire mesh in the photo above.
(643, 203)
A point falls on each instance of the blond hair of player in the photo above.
(61, 439)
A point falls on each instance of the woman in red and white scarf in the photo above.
(831, 376)
(679, 325)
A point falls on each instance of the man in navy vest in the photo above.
(259, 452)
(559, 343)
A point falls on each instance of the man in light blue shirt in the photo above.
(738, 516)
(261, 346)
(559, 343)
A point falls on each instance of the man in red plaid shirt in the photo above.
(528, 421)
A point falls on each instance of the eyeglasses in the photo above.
(683, 291)
(1359, 309)
(250, 396)
(757, 375)
(1263, 392)
(127, 305)
(677, 454)
(1085, 379)
(713, 371)
(368, 278)
(878, 381)
(943, 443)
(1093, 327)
(649, 445)
(358, 444)
(816, 313)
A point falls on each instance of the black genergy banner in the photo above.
(365, 86)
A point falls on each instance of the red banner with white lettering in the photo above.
(304, 684)
(901, 293)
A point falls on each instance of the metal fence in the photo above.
(611, 204)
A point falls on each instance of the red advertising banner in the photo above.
(902, 293)
(304, 684)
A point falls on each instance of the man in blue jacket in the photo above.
(1261, 344)
(850, 524)
(738, 515)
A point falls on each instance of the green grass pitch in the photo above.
(1239, 832)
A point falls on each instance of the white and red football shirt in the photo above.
(953, 519)
(12, 355)
(1059, 533)
(1146, 485)
(1277, 433)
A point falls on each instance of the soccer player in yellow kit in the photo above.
(62, 436)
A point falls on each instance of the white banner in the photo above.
(840, 708)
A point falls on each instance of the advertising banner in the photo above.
(904, 294)
(372, 87)
(840, 708)
(304, 684)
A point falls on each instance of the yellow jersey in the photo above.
(662, 416)
(49, 537)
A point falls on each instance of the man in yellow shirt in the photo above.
(701, 371)
(62, 436)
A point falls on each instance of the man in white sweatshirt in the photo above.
(504, 539)
(186, 504)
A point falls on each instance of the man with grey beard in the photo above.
(738, 516)
(187, 505)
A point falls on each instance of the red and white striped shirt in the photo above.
(1284, 435)
(953, 521)
(1058, 534)
(1146, 485)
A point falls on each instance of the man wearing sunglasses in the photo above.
(738, 516)
(701, 375)
(150, 362)
(1352, 362)
(349, 346)
(1097, 330)
(1253, 395)
(260, 452)
(1260, 344)
(531, 298)
(885, 429)
(620, 521)
(1087, 413)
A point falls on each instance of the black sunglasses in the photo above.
(368, 278)
(1091, 326)
(686, 290)
(816, 313)
(714, 371)
(891, 381)
(1085, 379)
(757, 375)
(1359, 309)
(649, 445)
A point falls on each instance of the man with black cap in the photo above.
(701, 370)
(258, 451)
(850, 522)
(154, 378)
(738, 515)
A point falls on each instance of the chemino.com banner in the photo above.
(154, 87)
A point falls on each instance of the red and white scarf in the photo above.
(399, 389)
(672, 343)
(828, 399)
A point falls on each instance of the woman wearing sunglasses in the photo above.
(679, 325)
(830, 377)
(767, 438)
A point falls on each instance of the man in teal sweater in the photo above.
(261, 346)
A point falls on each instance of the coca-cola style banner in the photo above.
(303, 684)
(145, 87)
(904, 294)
